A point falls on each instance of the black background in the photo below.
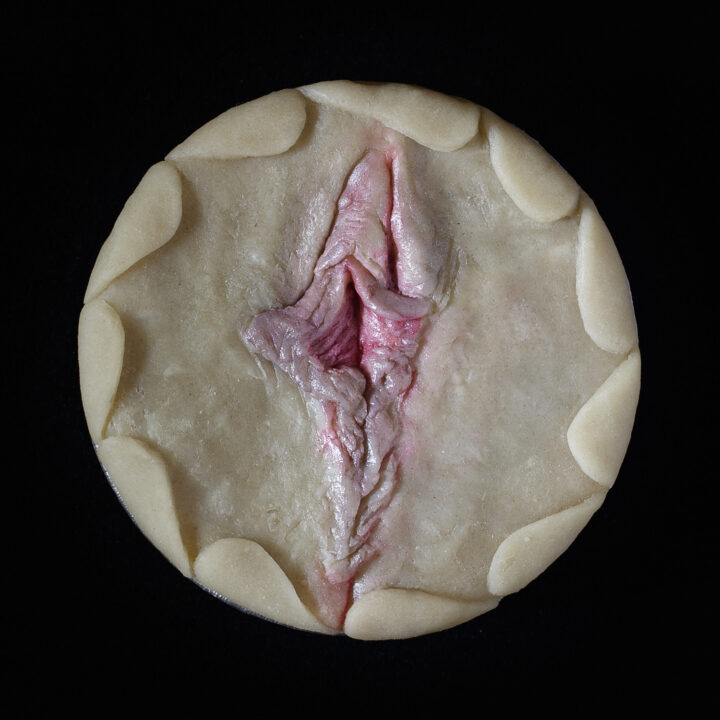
(94, 613)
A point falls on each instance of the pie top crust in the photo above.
(524, 363)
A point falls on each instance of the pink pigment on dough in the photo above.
(348, 343)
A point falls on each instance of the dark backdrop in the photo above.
(94, 97)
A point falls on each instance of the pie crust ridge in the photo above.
(140, 478)
(437, 121)
(599, 434)
(101, 345)
(397, 613)
(242, 572)
(536, 182)
(531, 549)
(269, 125)
(149, 219)
(602, 287)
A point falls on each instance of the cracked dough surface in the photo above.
(215, 451)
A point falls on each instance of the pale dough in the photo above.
(526, 373)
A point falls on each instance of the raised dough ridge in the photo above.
(531, 549)
(535, 181)
(599, 434)
(397, 613)
(269, 125)
(150, 218)
(140, 478)
(101, 347)
(241, 571)
(435, 120)
(603, 291)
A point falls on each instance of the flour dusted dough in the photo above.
(524, 360)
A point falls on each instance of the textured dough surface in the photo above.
(505, 366)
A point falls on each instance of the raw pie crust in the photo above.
(504, 309)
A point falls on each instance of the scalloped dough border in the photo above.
(243, 572)
(437, 121)
(140, 478)
(599, 434)
(269, 125)
(101, 348)
(536, 182)
(530, 550)
(399, 613)
(150, 218)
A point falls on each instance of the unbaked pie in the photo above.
(360, 358)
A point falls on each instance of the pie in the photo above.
(360, 358)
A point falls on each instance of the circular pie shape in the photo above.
(360, 358)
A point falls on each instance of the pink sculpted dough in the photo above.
(349, 344)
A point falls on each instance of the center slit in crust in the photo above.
(348, 343)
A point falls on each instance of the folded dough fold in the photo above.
(397, 613)
(242, 572)
(600, 432)
(602, 287)
(269, 125)
(150, 218)
(101, 346)
(534, 180)
(530, 550)
(140, 478)
(432, 119)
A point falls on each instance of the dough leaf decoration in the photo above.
(101, 347)
(524, 554)
(534, 180)
(349, 342)
(599, 434)
(432, 119)
(242, 572)
(408, 613)
(140, 477)
(150, 218)
(269, 125)
(602, 286)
